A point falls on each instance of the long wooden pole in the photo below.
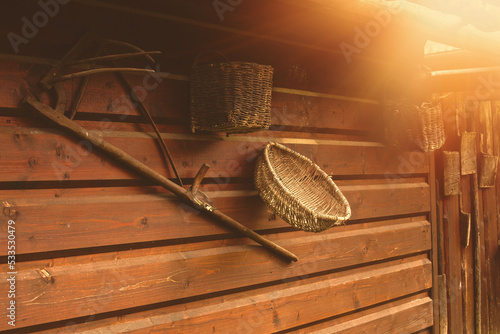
(82, 133)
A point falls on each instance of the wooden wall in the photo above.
(471, 271)
(100, 250)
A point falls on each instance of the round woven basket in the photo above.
(298, 190)
(231, 97)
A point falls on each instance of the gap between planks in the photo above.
(195, 137)
(214, 194)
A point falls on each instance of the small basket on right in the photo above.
(409, 127)
(430, 134)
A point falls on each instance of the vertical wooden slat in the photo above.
(468, 153)
(465, 225)
(496, 151)
(434, 227)
(487, 170)
(451, 229)
(496, 144)
(451, 166)
(453, 263)
(490, 223)
(485, 122)
(466, 254)
(480, 307)
(443, 305)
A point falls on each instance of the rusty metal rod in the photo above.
(145, 112)
(78, 98)
(82, 133)
(110, 57)
(100, 70)
(127, 45)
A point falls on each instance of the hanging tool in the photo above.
(132, 163)
(146, 113)
(192, 196)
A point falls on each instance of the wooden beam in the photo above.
(56, 157)
(433, 206)
(122, 281)
(91, 217)
(433, 24)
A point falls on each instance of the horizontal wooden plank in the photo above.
(168, 97)
(287, 305)
(21, 118)
(50, 220)
(119, 280)
(36, 154)
(409, 317)
(150, 321)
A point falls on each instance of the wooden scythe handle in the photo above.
(80, 132)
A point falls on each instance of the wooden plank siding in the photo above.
(472, 271)
(101, 251)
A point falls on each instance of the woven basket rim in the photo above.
(328, 179)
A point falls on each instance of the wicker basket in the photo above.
(429, 135)
(231, 97)
(298, 190)
(410, 127)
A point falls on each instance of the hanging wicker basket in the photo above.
(231, 97)
(298, 190)
(411, 127)
(430, 135)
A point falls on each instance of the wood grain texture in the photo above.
(464, 118)
(495, 308)
(79, 218)
(451, 229)
(467, 262)
(33, 155)
(175, 253)
(443, 304)
(488, 165)
(451, 165)
(406, 318)
(168, 97)
(434, 294)
(132, 278)
(480, 293)
(468, 153)
(285, 305)
(490, 214)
